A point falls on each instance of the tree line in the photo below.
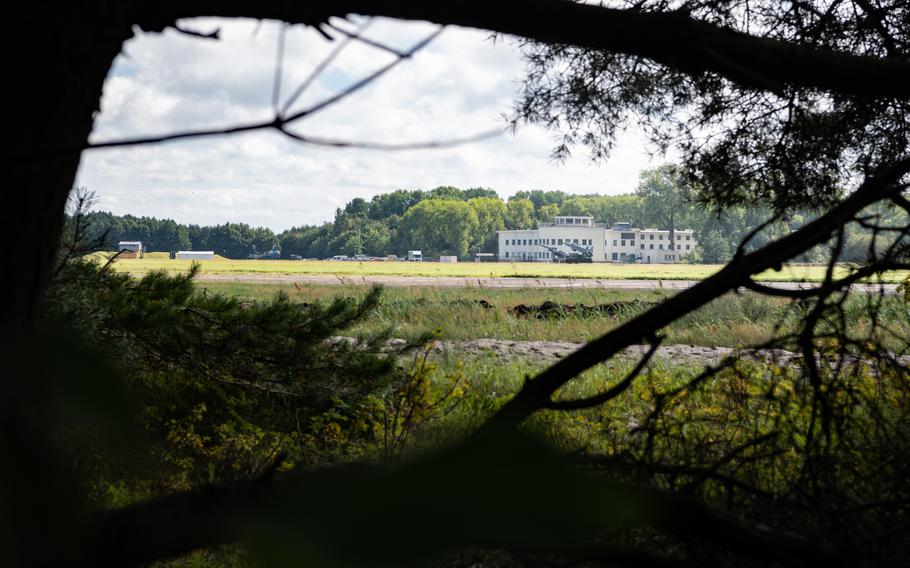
(453, 221)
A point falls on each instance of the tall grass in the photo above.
(733, 320)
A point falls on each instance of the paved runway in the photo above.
(488, 282)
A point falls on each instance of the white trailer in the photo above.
(195, 255)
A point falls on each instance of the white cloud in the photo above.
(459, 85)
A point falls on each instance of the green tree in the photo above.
(712, 247)
(440, 226)
(541, 198)
(577, 205)
(664, 197)
(520, 214)
(357, 207)
(491, 217)
(385, 205)
(547, 213)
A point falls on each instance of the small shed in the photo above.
(129, 249)
(451, 258)
(485, 257)
(195, 255)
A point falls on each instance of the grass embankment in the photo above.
(472, 269)
(457, 313)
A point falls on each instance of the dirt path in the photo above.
(489, 282)
(548, 351)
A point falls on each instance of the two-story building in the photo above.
(617, 243)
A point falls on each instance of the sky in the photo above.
(463, 83)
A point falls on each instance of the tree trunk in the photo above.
(56, 84)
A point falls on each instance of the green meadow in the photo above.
(354, 269)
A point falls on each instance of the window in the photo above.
(660, 237)
(560, 241)
(688, 237)
(507, 254)
(614, 256)
(627, 236)
(575, 241)
(661, 247)
(652, 248)
(507, 242)
(642, 246)
(526, 241)
(652, 238)
(687, 247)
(622, 243)
(614, 242)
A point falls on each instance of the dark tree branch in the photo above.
(826, 288)
(322, 66)
(671, 38)
(392, 146)
(280, 122)
(357, 36)
(538, 392)
(173, 525)
(613, 391)
(214, 34)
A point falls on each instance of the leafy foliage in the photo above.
(224, 386)
(784, 147)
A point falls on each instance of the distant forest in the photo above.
(449, 220)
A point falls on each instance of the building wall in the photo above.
(525, 250)
(648, 245)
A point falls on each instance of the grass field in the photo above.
(733, 320)
(472, 269)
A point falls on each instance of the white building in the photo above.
(619, 243)
(129, 249)
(195, 255)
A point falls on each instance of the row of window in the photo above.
(661, 247)
(520, 242)
(623, 257)
(661, 237)
(527, 255)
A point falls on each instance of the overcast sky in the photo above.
(461, 84)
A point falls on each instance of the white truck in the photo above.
(415, 256)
